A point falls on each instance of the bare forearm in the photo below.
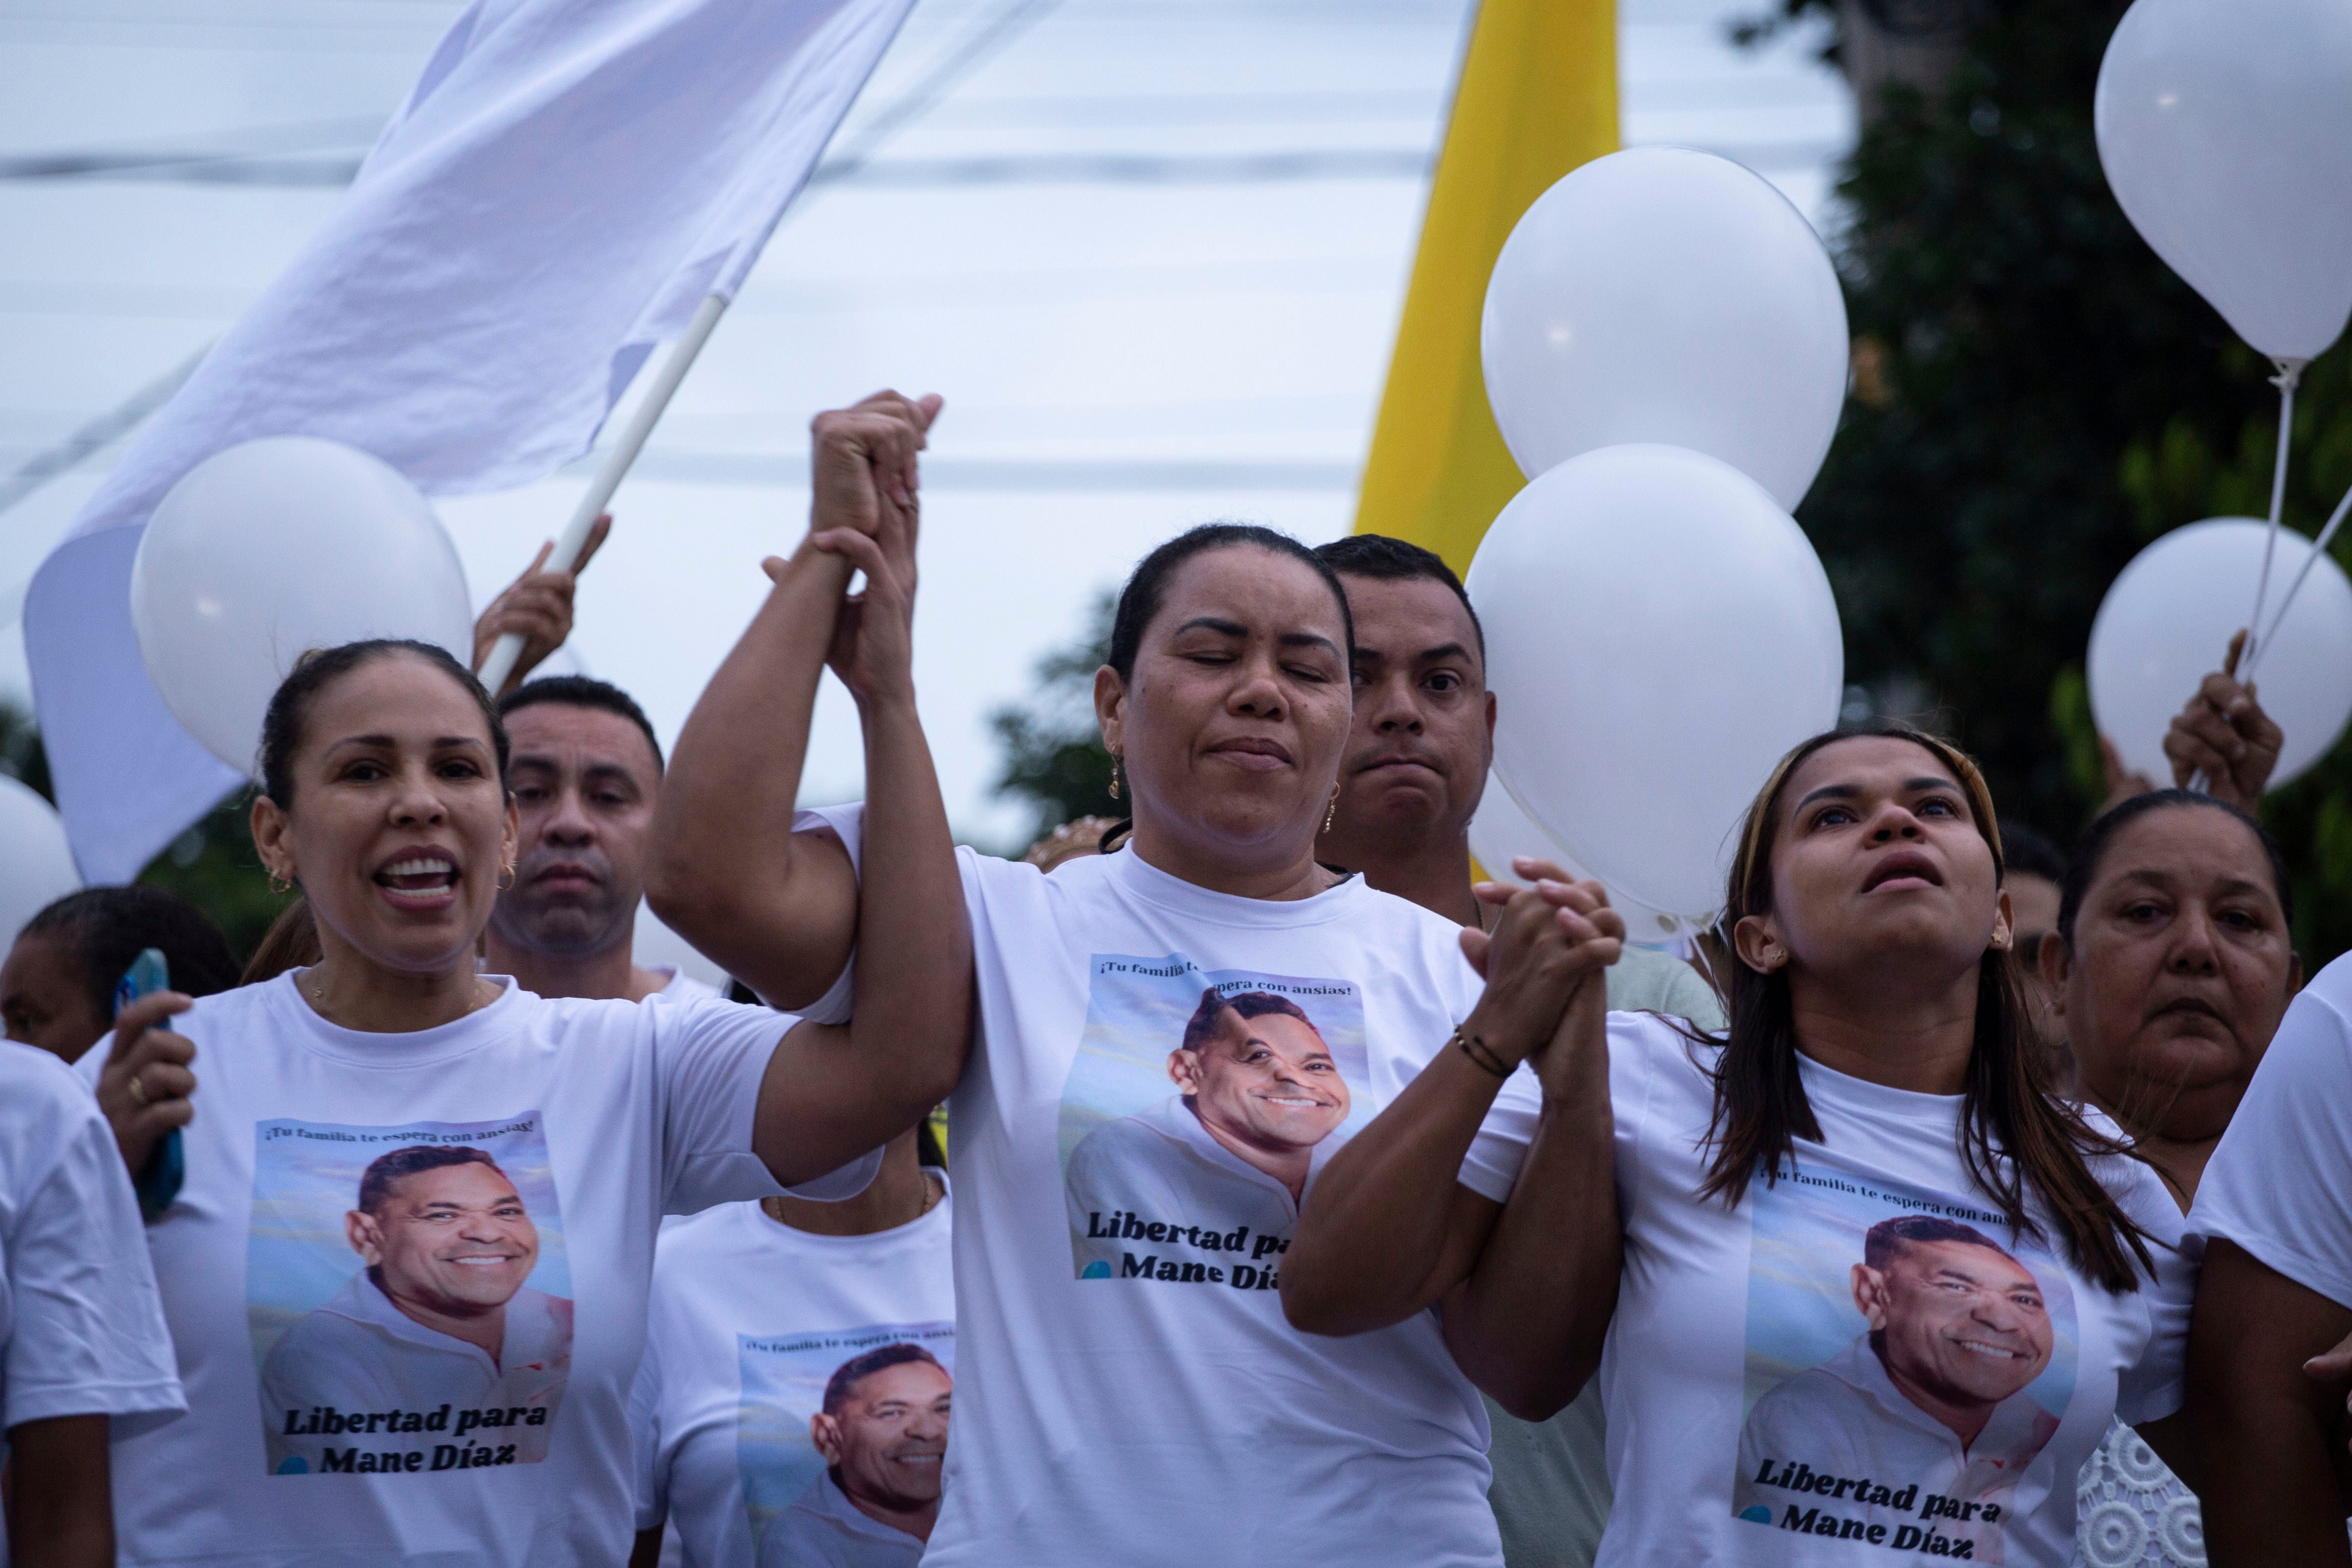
(1372, 1246)
(914, 982)
(723, 865)
(1529, 1324)
(63, 1513)
(2265, 1432)
(834, 1093)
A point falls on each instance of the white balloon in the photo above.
(1499, 830)
(1658, 633)
(1665, 295)
(271, 548)
(2225, 128)
(36, 866)
(2167, 622)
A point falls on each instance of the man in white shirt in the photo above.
(586, 770)
(437, 1355)
(1923, 1423)
(1259, 1093)
(883, 1431)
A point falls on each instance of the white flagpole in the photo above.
(613, 470)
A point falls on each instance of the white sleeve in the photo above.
(2279, 1184)
(651, 1465)
(847, 823)
(88, 1336)
(2152, 1387)
(711, 1055)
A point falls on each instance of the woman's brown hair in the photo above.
(2014, 1132)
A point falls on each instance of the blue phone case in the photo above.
(167, 1168)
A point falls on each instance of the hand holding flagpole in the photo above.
(566, 553)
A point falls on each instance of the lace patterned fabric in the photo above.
(2132, 1511)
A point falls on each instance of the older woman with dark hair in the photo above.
(2170, 968)
(1868, 1281)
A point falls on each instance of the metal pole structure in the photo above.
(614, 468)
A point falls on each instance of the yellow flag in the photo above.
(1538, 96)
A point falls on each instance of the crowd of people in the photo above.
(1317, 1196)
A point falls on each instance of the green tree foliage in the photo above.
(1053, 755)
(2036, 397)
(212, 864)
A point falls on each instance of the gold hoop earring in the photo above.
(278, 886)
(1114, 775)
(1332, 813)
(509, 875)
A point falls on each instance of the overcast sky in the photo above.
(1153, 252)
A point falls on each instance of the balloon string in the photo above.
(2286, 602)
(2290, 370)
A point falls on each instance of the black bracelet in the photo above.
(1476, 1050)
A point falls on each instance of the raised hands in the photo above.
(2224, 734)
(536, 606)
(863, 463)
(1544, 964)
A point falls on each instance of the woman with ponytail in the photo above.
(1878, 1287)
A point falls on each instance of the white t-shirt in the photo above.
(684, 987)
(2279, 1184)
(1760, 1371)
(749, 1322)
(1130, 1390)
(81, 1332)
(378, 1229)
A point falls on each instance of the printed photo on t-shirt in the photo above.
(408, 1295)
(840, 1437)
(1908, 1360)
(1201, 1104)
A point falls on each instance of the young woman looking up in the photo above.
(1879, 1289)
(1172, 1038)
(406, 1274)
(2168, 968)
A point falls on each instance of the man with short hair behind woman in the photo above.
(383, 797)
(1878, 1287)
(1126, 1389)
(2169, 966)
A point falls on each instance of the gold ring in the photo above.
(138, 1092)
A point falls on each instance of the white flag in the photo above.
(567, 182)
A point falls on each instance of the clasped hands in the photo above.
(1545, 962)
(865, 510)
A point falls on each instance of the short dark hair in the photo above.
(106, 929)
(1387, 560)
(858, 1368)
(1147, 585)
(2025, 853)
(1880, 1244)
(583, 691)
(284, 727)
(387, 1170)
(1215, 1005)
(2084, 869)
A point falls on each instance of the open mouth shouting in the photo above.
(422, 882)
